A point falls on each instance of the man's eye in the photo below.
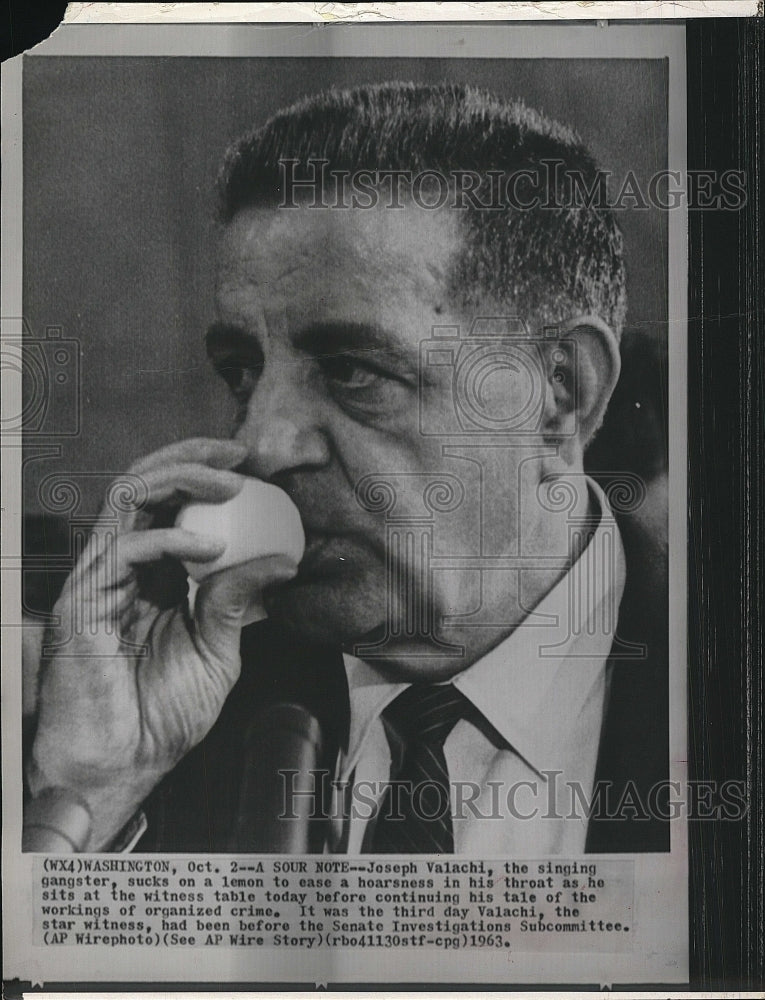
(349, 372)
(240, 376)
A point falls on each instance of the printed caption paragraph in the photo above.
(256, 902)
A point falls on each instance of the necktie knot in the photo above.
(427, 713)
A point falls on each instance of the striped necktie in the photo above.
(415, 812)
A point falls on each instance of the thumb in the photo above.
(232, 598)
(221, 605)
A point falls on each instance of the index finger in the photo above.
(218, 453)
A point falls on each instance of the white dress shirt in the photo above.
(541, 694)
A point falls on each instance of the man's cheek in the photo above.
(455, 592)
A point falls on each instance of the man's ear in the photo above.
(583, 367)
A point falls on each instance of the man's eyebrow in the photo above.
(327, 339)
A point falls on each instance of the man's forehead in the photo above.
(272, 244)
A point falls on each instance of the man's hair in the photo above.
(546, 264)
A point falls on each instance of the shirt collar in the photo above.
(534, 684)
(370, 693)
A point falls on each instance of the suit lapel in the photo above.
(633, 757)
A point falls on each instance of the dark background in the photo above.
(120, 158)
(24, 24)
(726, 383)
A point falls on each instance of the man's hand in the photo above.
(115, 718)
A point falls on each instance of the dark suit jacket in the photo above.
(194, 808)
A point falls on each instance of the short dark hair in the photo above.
(544, 263)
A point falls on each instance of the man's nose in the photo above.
(282, 429)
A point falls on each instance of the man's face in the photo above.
(321, 314)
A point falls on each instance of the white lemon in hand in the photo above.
(263, 534)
